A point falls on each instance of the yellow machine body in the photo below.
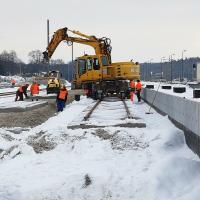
(95, 73)
(53, 83)
(85, 71)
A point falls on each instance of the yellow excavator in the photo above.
(97, 74)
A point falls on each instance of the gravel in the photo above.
(29, 118)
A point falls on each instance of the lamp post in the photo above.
(182, 66)
(171, 65)
(161, 75)
(145, 71)
(150, 68)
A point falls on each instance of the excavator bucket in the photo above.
(45, 56)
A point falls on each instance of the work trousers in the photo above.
(138, 95)
(19, 95)
(60, 105)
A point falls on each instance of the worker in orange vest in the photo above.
(19, 94)
(132, 89)
(138, 90)
(13, 82)
(61, 98)
(34, 90)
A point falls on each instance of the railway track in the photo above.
(108, 112)
(88, 115)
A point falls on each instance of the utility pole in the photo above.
(150, 68)
(48, 64)
(161, 74)
(182, 66)
(171, 66)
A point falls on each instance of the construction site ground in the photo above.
(33, 114)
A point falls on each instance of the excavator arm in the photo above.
(101, 45)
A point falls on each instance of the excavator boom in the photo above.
(101, 45)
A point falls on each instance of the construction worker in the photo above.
(19, 94)
(25, 87)
(34, 90)
(138, 90)
(132, 89)
(13, 82)
(61, 98)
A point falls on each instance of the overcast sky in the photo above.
(139, 29)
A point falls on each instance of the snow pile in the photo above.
(53, 162)
(8, 79)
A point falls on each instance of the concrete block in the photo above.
(179, 89)
(150, 86)
(196, 93)
(166, 87)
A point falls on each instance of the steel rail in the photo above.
(87, 116)
(127, 110)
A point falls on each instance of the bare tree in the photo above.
(10, 56)
(35, 56)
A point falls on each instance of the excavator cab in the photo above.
(90, 68)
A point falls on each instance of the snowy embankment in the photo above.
(188, 94)
(53, 162)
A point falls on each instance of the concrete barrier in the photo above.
(183, 112)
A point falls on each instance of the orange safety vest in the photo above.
(34, 89)
(132, 84)
(13, 81)
(20, 89)
(62, 94)
(138, 86)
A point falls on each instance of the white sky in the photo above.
(139, 29)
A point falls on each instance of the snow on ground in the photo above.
(9, 101)
(188, 94)
(8, 79)
(53, 162)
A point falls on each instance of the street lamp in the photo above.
(171, 64)
(150, 68)
(182, 66)
(162, 59)
(145, 71)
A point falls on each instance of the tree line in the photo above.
(174, 69)
(10, 64)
